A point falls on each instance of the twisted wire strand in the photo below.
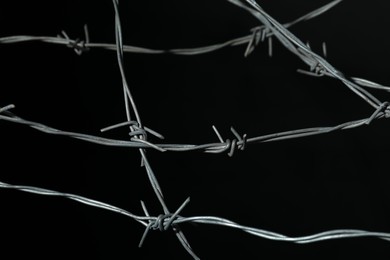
(164, 222)
(227, 145)
(84, 45)
(78, 198)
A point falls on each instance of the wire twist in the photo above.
(238, 143)
(79, 46)
(163, 221)
(383, 110)
(259, 33)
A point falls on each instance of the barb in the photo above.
(6, 108)
(238, 143)
(324, 49)
(79, 46)
(163, 222)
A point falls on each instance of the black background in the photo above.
(297, 187)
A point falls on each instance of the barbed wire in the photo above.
(139, 133)
(80, 46)
(164, 222)
(224, 145)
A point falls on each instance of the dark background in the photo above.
(297, 187)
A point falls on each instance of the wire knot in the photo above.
(163, 221)
(259, 33)
(387, 112)
(79, 46)
(138, 133)
(318, 69)
(238, 143)
(382, 110)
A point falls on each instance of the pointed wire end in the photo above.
(174, 215)
(105, 129)
(182, 206)
(142, 204)
(141, 242)
(235, 132)
(144, 208)
(86, 32)
(3, 109)
(111, 127)
(324, 49)
(250, 47)
(270, 51)
(218, 134)
(309, 73)
(65, 35)
(156, 134)
(248, 51)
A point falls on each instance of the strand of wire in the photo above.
(85, 45)
(163, 222)
(239, 142)
(152, 178)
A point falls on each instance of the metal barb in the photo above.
(324, 50)
(383, 108)
(163, 221)
(6, 108)
(79, 46)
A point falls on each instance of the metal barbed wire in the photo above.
(228, 145)
(139, 133)
(163, 222)
(80, 46)
(259, 33)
